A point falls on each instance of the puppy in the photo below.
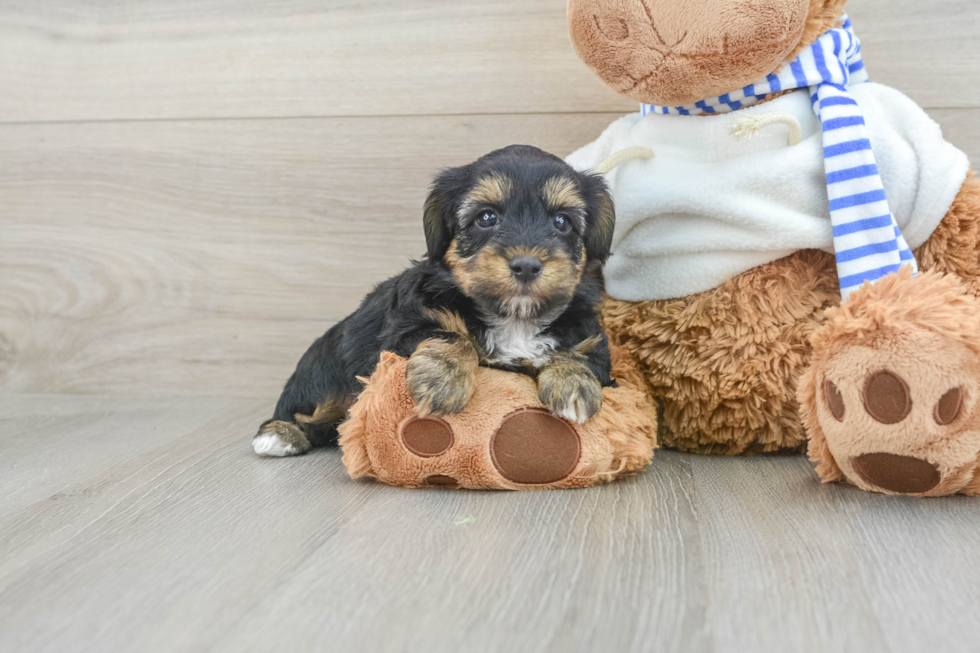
(512, 279)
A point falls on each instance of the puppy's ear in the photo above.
(601, 219)
(437, 235)
(439, 214)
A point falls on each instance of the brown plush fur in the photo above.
(925, 330)
(955, 245)
(617, 442)
(725, 363)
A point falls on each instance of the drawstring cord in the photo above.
(629, 154)
(743, 127)
(747, 126)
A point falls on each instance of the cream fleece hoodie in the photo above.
(708, 207)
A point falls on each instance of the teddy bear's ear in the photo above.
(601, 219)
(439, 213)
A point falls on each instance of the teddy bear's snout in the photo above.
(676, 52)
(894, 473)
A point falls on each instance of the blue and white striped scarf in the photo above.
(867, 241)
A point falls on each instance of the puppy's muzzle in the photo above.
(526, 268)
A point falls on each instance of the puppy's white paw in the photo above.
(270, 444)
(280, 439)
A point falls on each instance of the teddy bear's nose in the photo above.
(903, 474)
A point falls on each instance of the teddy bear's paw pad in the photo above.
(902, 474)
(886, 397)
(427, 437)
(532, 447)
(949, 406)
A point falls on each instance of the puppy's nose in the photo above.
(525, 268)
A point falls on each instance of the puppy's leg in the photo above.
(312, 404)
(442, 370)
(298, 434)
(292, 437)
(568, 384)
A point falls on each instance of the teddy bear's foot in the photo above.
(505, 438)
(890, 401)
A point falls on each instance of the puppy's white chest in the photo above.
(509, 342)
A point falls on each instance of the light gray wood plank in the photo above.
(838, 568)
(197, 545)
(929, 51)
(40, 460)
(68, 459)
(617, 568)
(961, 127)
(204, 257)
(164, 59)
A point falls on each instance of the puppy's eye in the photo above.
(486, 219)
(563, 223)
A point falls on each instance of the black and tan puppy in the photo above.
(512, 279)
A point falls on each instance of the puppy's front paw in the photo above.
(441, 376)
(570, 390)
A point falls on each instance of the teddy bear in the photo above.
(795, 261)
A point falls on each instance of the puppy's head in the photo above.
(517, 230)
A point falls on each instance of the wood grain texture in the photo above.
(65, 60)
(211, 58)
(926, 50)
(961, 127)
(191, 543)
(204, 256)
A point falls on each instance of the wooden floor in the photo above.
(148, 525)
(192, 190)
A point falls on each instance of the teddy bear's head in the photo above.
(677, 52)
